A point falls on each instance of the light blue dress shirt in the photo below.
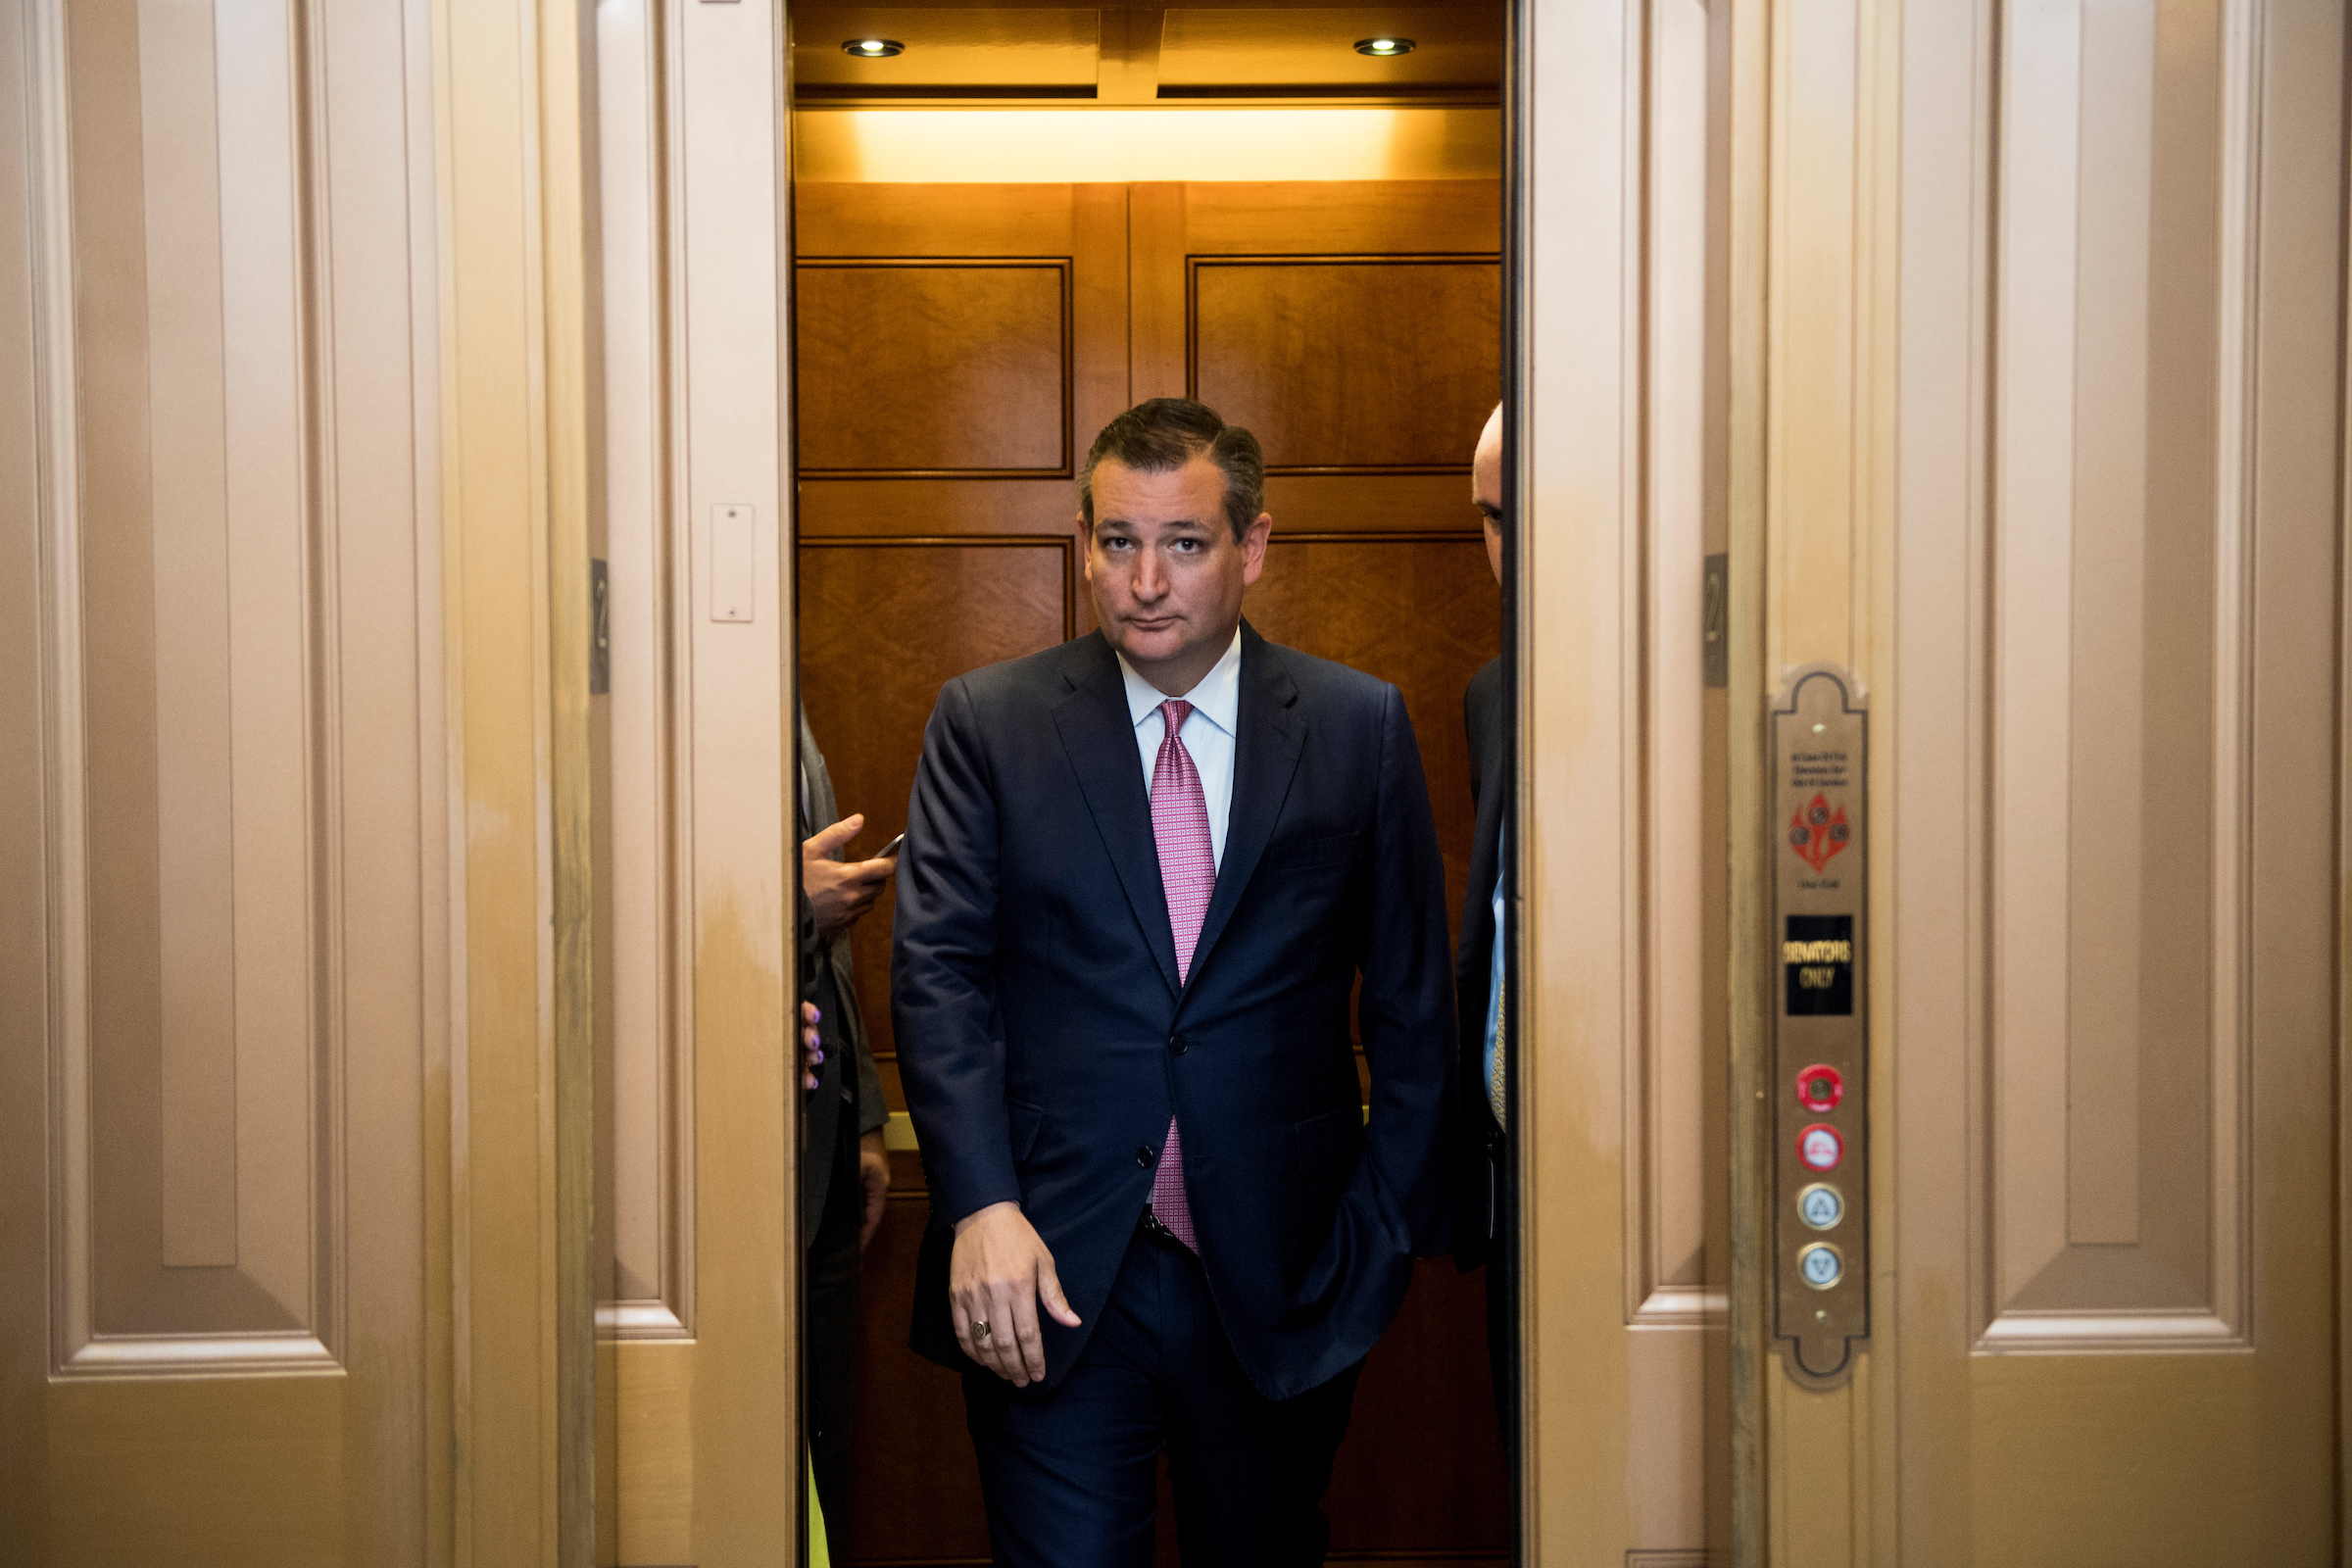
(1494, 985)
(1209, 733)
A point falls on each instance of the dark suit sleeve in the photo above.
(943, 986)
(1405, 1010)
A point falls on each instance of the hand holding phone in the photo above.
(842, 891)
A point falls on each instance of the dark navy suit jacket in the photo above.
(1044, 1038)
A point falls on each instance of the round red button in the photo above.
(1820, 1087)
(1819, 1148)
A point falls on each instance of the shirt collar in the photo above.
(1216, 698)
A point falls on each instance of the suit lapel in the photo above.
(1266, 746)
(1098, 738)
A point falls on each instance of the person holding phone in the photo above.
(845, 1173)
(1143, 873)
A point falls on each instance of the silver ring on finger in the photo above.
(979, 1331)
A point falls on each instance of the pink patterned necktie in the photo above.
(1188, 874)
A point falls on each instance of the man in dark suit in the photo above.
(844, 1174)
(1143, 873)
(1488, 1224)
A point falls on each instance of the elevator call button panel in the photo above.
(1820, 1208)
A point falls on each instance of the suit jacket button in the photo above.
(1144, 1157)
(1178, 1044)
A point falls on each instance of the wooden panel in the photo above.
(1346, 598)
(909, 581)
(725, 249)
(192, 636)
(1354, 363)
(911, 1443)
(1172, 222)
(834, 509)
(227, 1046)
(884, 624)
(1084, 225)
(1676, 1263)
(2117, 633)
(203, 1160)
(1340, 217)
(645, 1123)
(891, 220)
(1421, 1473)
(2118, 751)
(931, 366)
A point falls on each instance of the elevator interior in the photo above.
(1019, 225)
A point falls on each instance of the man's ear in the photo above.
(1254, 547)
(1086, 550)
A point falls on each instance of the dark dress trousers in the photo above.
(1489, 1215)
(1045, 1039)
(846, 1104)
(829, 1224)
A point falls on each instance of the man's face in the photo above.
(1486, 487)
(1166, 572)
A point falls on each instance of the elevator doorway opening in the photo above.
(972, 306)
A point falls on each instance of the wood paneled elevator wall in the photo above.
(959, 347)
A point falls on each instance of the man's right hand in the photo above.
(841, 890)
(1000, 1273)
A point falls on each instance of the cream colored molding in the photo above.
(1667, 1070)
(651, 945)
(204, 1356)
(729, 175)
(1682, 1306)
(1577, 521)
(513, 437)
(2122, 1332)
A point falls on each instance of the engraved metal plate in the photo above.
(1820, 1036)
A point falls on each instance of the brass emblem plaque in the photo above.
(1821, 1158)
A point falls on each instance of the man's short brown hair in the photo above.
(1165, 433)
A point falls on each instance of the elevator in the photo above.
(396, 1130)
(946, 393)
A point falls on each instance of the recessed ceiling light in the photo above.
(881, 48)
(1383, 47)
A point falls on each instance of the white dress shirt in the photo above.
(1209, 733)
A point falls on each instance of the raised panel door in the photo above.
(224, 803)
(2116, 885)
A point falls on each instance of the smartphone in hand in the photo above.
(891, 847)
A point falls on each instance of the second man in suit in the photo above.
(1488, 1232)
(1144, 873)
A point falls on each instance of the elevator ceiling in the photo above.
(1258, 54)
